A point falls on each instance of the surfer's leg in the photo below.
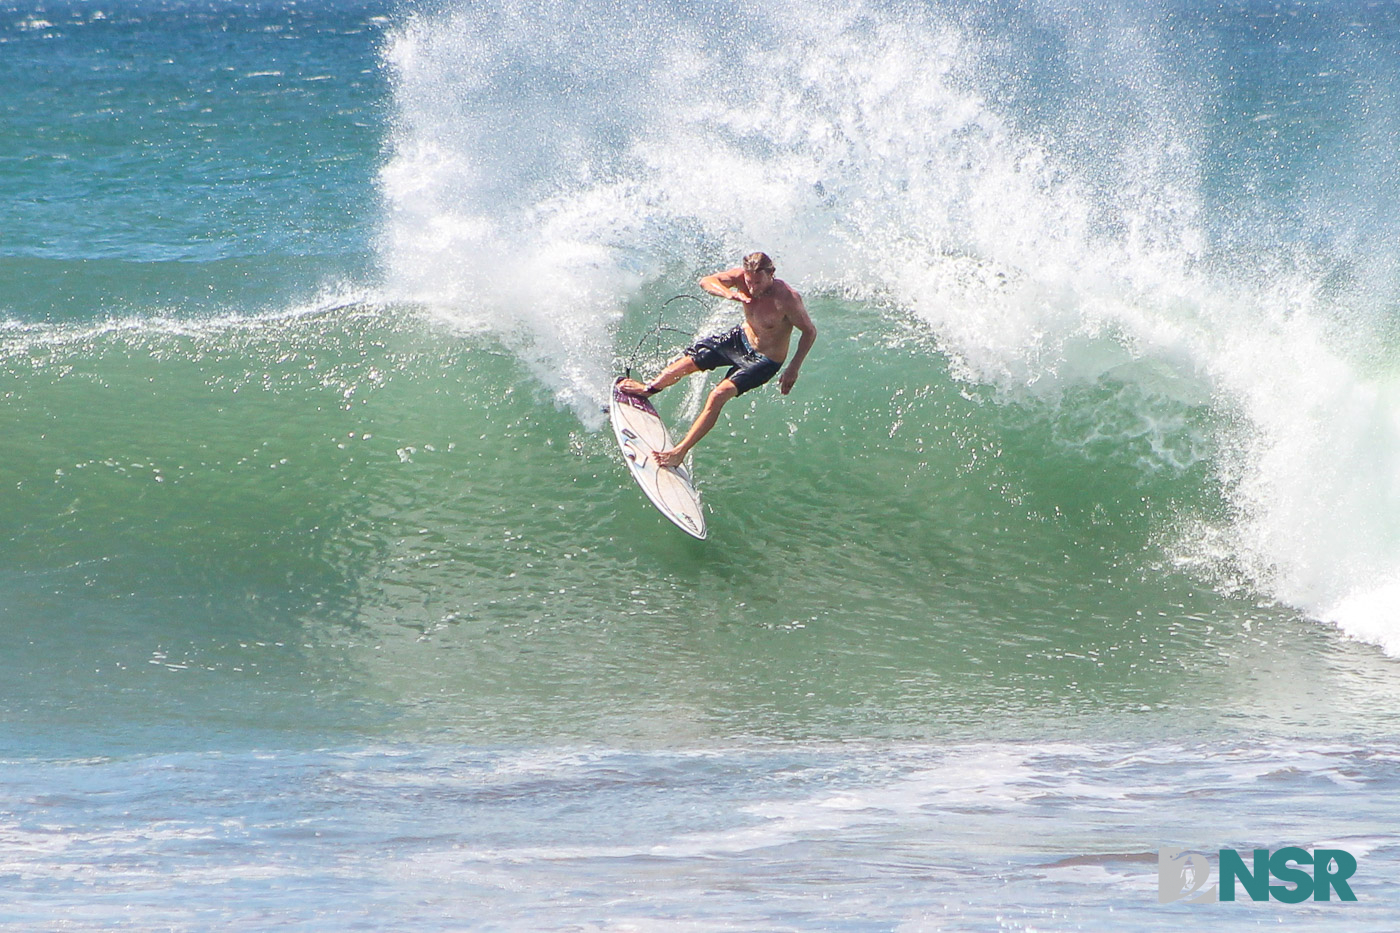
(709, 415)
(703, 355)
(675, 371)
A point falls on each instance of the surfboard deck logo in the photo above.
(640, 433)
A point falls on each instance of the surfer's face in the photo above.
(758, 282)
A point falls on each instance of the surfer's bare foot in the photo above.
(633, 387)
(669, 458)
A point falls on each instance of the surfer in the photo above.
(754, 350)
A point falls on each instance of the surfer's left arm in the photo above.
(803, 322)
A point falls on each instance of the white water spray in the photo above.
(548, 161)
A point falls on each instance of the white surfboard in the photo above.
(640, 433)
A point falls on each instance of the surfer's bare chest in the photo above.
(769, 327)
(765, 316)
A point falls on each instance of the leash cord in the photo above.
(658, 328)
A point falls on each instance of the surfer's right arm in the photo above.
(726, 285)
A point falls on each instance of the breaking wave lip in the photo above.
(19, 338)
(871, 150)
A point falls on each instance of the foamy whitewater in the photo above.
(326, 603)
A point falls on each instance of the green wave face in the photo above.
(351, 519)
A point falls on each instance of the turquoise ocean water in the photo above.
(326, 604)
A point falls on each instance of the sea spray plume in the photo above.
(1308, 450)
(581, 165)
(505, 209)
(1031, 182)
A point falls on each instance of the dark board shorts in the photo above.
(748, 369)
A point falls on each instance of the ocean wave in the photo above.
(1052, 239)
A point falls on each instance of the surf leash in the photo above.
(658, 329)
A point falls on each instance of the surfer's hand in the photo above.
(740, 296)
(786, 380)
(669, 458)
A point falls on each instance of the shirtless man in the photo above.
(754, 350)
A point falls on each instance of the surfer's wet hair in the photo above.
(758, 262)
